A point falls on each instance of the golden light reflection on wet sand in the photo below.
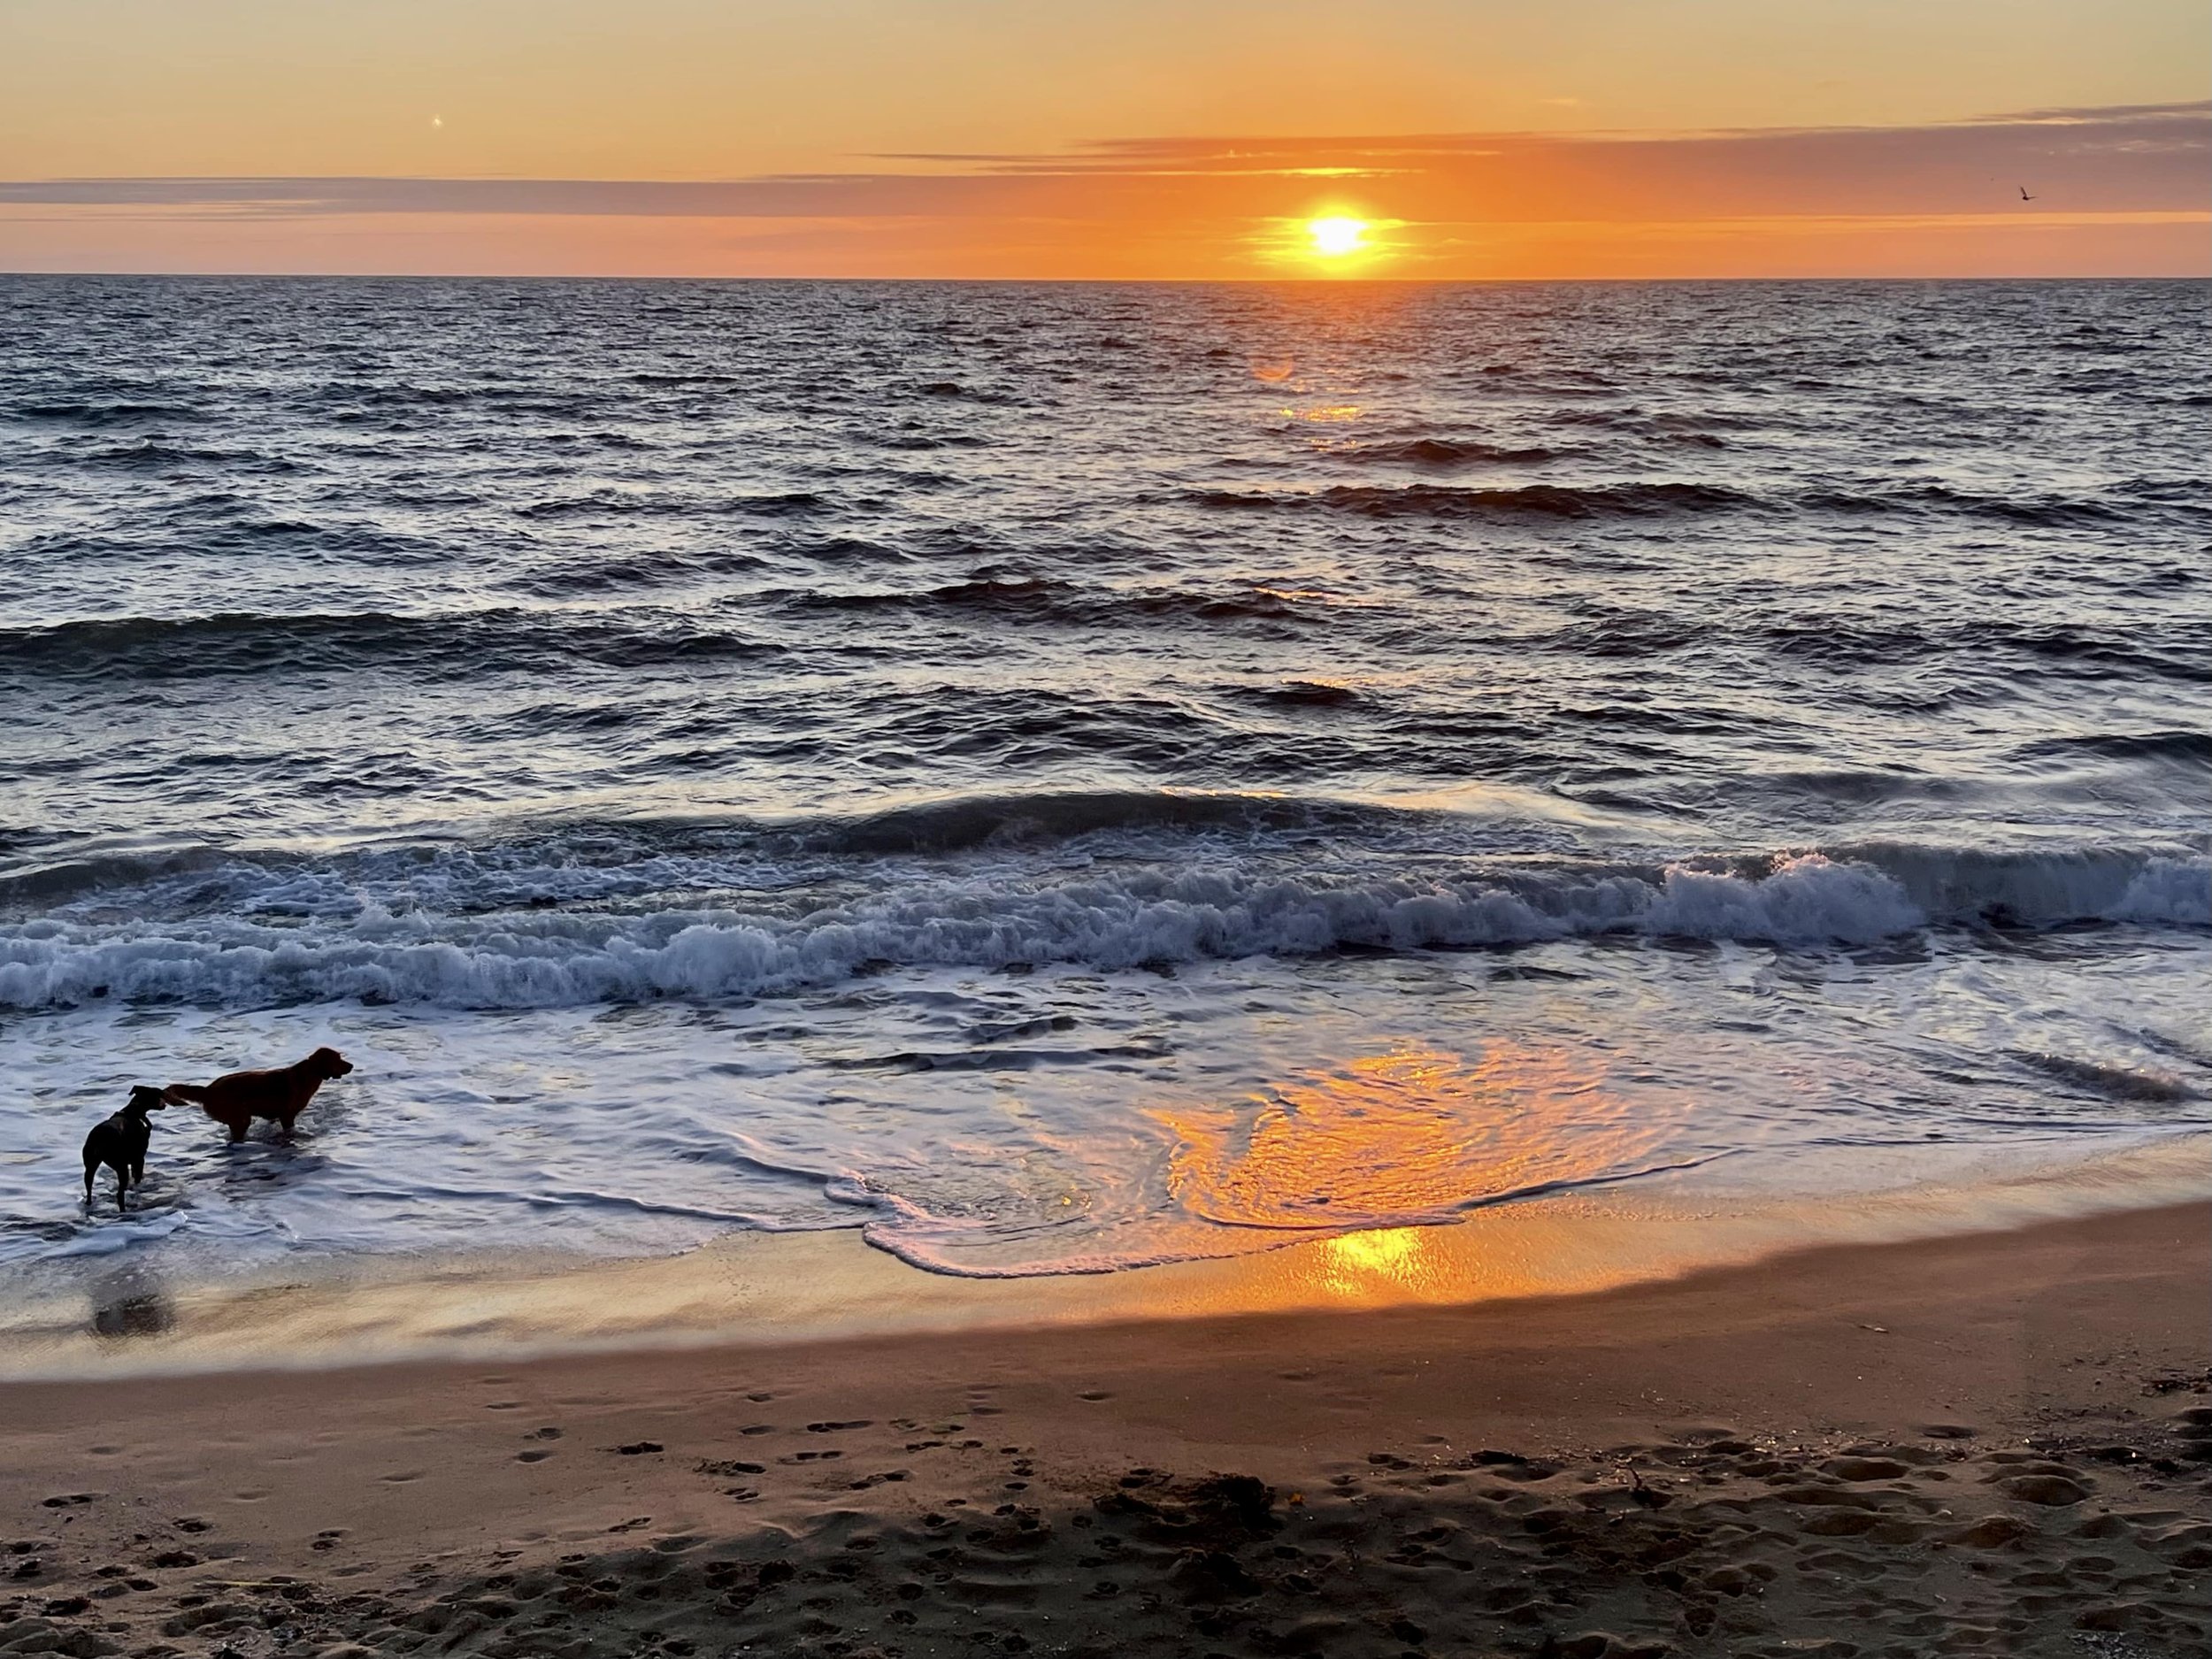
(1413, 1136)
(1358, 1264)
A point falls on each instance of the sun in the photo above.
(1334, 237)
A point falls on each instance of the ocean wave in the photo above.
(115, 412)
(458, 644)
(2119, 504)
(575, 950)
(1440, 501)
(2034, 513)
(153, 455)
(601, 504)
(614, 574)
(1446, 452)
(2174, 650)
(2122, 505)
(1043, 599)
(2107, 1078)
(2188, 748)
(2049, 887)
(1030, 816)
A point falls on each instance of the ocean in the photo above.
(1063, 777)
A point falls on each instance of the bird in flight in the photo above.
(2024, 196)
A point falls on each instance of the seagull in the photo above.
(2024, 196)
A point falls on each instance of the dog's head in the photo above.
(146, 1098)
(328, 1063)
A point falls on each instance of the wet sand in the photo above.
(1996, 1443)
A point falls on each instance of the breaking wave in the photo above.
(1193, 879)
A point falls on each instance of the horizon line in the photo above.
(1078, 282)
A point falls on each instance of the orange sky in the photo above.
(1128, 138)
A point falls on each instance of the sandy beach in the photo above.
(1999, 1443)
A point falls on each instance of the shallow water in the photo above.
(1064, 778)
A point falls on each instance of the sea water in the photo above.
(1059, 778)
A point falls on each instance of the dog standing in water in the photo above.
(279, 1094)
(121, 1142)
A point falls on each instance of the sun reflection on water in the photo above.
(1387, 1142)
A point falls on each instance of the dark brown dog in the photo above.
(235, 1101)
(119, 1143)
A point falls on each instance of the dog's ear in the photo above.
(330, 1063)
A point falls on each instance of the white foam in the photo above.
(1112, 919)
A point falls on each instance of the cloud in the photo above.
(2125, 159)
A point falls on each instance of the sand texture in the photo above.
(1997, 1444)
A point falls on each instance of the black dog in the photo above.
(119, 1143)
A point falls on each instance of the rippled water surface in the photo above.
(1066, 776)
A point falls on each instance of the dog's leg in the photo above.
(91, 1168)
(122, 1190)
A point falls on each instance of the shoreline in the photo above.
(1910, 1441)
(123, 1319)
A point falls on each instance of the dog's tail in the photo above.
(181, 1093)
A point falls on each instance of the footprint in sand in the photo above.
(1094, 1393)
(398, 1479)
(532, 1458)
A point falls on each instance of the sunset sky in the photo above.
(1121, 138)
